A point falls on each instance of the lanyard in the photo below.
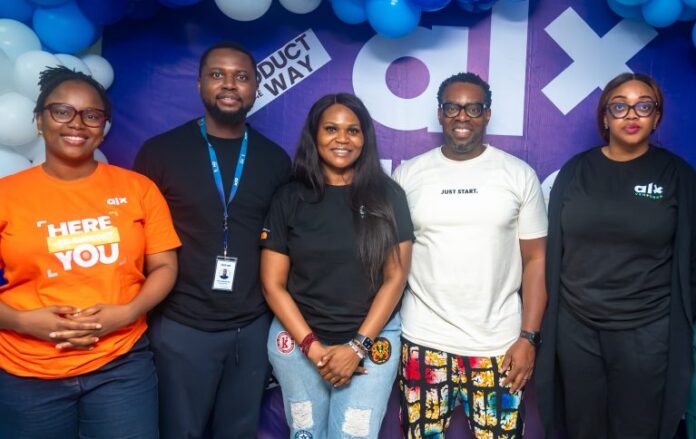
(218, 177)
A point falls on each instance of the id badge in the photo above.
(224, 273)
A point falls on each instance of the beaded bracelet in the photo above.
(359, 352)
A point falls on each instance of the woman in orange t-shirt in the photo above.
(87, 250)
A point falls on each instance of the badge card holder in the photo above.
(224, 273)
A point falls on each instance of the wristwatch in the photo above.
(533, 337)
(364, 340)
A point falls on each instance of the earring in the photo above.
(39, 132)
(606, 127)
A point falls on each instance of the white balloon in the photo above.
(36, 149)
(17, 38)
(12, 162)
(300, 6)
(74, 63)
(27, 68)
(107, 127)
(16, 119)
(39, 158)
(100, 68)
(5, 72)
(243, 10)
(100, 156)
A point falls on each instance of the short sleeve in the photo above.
(402, 214)
(533, 221)
(274, 235)
(160, 234)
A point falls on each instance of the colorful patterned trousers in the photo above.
(431, 381)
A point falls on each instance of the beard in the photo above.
(227, 117)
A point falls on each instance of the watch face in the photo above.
(367, 342)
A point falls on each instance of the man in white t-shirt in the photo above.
(480, 225)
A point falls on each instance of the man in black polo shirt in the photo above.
(218, 176)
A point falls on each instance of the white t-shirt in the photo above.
(463, 289)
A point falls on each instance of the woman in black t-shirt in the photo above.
(617, 332)
(337, 248)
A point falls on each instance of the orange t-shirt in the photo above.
(76, 243)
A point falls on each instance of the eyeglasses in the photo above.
(472, 109)
(64, 113)
(620, 110)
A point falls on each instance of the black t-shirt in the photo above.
(326, 279)
(178, 162)
(618, 221)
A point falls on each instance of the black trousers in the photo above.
(210, 381)
(613, 380)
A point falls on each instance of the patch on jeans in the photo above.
(285, 343)
(381, 351)
(303, 434)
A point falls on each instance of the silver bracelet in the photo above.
(356, 349)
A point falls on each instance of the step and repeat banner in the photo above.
(546, 61)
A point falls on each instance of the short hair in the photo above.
(617, 82)
(467, 78)
(231, 45)
(52, 77)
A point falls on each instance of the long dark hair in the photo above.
(374, 222)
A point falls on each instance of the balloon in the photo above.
(143, 9)
(27, 69)
(5, 72)
(467, 5)
(630, 12)
(392, 18)
(100, 68)
(178, 3)
(430, 5)
(100, 156)
(20, 10)
(689, 3)
(34, 150)
(661, 13)
(49, 3)
(688, 14)
(350, 11)
(11, 162)
(16, 119)
(631, 2)
(17, 38)
(107, 127)
(64, 28)
(300, 6)
(73, 63)
(243, 10)
(104, 11)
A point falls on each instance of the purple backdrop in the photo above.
(545, 60)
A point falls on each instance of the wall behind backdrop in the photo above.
(546, 61)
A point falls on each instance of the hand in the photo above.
(316, 352)
(339, 365)
(519, 364)
(108, 317)
(53, 323)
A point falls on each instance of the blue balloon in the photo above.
(350, 11)
(393, 18)
(104, 11)
(20, 10)
(631, 2)
(64, 28)
(430, 5)
(630, 12)
(143, 9)
(662, 13)
(49, 2)
(688, 14)
(178, 3)
(467, 5)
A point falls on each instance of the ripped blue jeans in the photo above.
(316, 410)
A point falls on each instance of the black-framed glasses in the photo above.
(64, 113)
(620, 110)
(472, 109)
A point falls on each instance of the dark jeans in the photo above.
(210, 381)
(613, 381)
(118, 400)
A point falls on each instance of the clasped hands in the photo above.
(73, 328)
(336, 364)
